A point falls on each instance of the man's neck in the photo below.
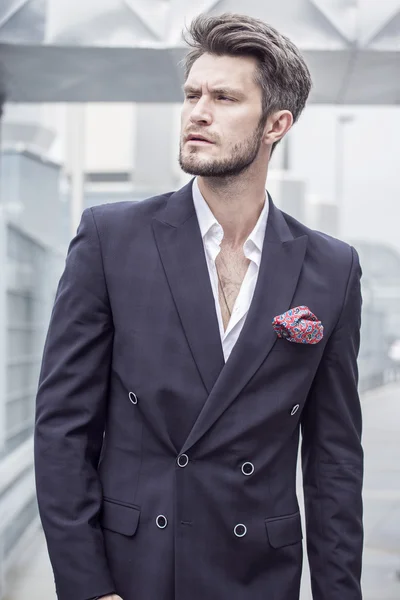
(236, 204)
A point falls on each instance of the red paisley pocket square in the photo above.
(299, 325)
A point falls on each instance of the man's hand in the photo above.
(112, 597)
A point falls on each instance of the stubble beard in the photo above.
(242, 157)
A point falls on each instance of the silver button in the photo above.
(133, 398)
(183, 460)
(247, 468)
(240, 530)
(161, 521)
(294, 410)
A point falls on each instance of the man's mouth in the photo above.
(198, 139)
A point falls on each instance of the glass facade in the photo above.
(26, 261)
(30, 265)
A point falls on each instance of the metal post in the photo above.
(286, 153)
(3, 327)
(75, 153)
(341, 121)
(3, 300)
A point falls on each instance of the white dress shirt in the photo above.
(212, 234)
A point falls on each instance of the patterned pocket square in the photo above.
(299, 325)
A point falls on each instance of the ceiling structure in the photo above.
(129, 50)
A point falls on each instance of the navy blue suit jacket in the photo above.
(133, 377)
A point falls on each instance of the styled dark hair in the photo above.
(282, 74)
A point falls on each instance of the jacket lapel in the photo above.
(181, 250)
(280, 268)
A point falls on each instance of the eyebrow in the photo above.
(223, 91)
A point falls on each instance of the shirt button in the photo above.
(294, 410)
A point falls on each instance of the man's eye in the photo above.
(224, 98)
(191, 96)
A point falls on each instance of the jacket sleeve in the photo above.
(332, 458)
(70, 415)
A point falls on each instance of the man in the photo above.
(173, 385)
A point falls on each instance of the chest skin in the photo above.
(231, 267)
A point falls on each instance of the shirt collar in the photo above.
(204, 213)
(258, 233)
(207, 219)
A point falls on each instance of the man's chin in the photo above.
(192, 171)
(195, 169)
(211, 171)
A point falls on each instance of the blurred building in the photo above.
(31, 259)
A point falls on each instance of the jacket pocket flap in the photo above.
(120, 518)
(284, 531)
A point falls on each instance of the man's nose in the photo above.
(201, 113)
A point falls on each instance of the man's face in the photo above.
(224, 105)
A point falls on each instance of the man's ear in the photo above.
(277, 126)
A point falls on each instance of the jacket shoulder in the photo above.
(125, 212)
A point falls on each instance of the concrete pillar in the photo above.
(75, 153)
(326, 218)
(156, 148)
(288, 193)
